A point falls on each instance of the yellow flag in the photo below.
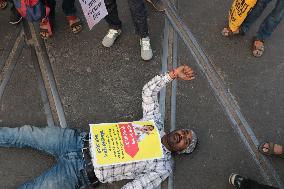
(239, 12)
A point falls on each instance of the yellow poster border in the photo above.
(93, 152)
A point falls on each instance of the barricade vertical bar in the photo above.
(173, 100)
(164, 67)
(162, 101)
(47, 69)
(46, 106)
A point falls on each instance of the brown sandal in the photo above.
(270, 149)
(45, 28)
(3, 4)
(74, 23)
(257, 48)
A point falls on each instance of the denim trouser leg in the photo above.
(254, 14)
(62, 175)
(68, 7)
(65, 144)
(53, 140)
(271, 21)
(112, 17)
(139, 17)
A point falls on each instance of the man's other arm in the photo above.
(148, 180)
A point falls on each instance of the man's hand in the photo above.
(183, 72)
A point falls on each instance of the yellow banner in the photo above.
(125, 142)
(238, 12)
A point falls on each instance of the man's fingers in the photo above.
(188, 71)
(190, 74)
(187, 78)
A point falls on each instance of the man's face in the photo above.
(179, 140)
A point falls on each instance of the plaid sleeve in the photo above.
(148, 180)
(150, 92)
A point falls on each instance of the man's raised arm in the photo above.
(150, 91)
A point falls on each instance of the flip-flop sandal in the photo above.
(74, 22)
(3, 4)
(270, 149)
(47, 30)
(257, 48)
(227, 32)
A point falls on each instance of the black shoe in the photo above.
(236, 180)
(15, 17)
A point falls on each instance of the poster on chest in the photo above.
(124, 142)
(94, 11)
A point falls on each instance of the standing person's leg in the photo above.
(15, 16)
(254, 14)
(68, 7)
(46, 23)
(271, 21)
(267, 27)
(53, 140)
(112, 18)
(51, 4)
(250, 19)
(241, 182)
(139, 15)
(69, 10)
(114, 23)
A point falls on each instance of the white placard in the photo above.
(94, 11)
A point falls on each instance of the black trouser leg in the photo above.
(139, 16)
(251, 184)
(13, 8)
(112, 17)
(51, 4)
(68, 7)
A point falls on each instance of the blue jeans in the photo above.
(64, 144)
(270, 22)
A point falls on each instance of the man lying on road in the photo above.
(74, 168)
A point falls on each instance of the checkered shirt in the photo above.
(145, 174)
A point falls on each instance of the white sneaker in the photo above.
(146, 50)
(110, 37)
